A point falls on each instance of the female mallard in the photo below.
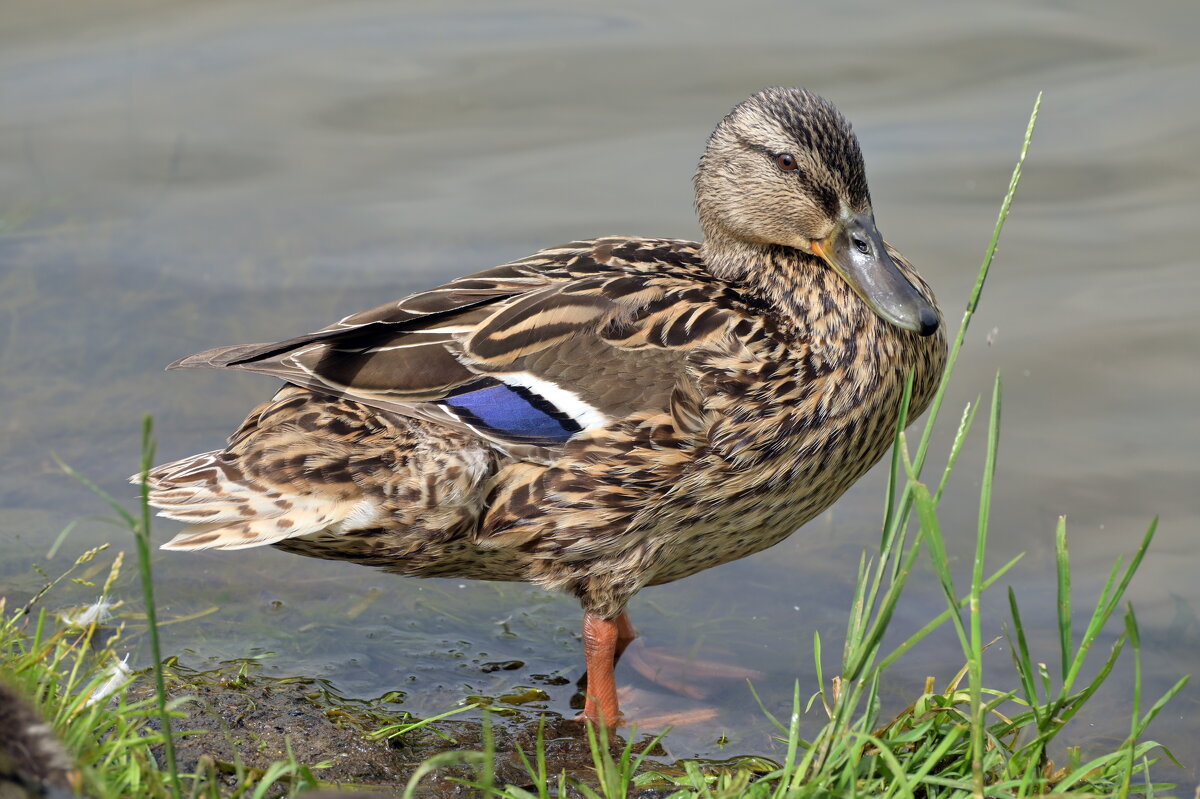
(600, 416)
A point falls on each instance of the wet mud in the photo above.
(235, 718)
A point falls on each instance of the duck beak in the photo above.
(856, 252)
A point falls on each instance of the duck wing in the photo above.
(525, 355)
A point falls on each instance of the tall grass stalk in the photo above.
(141, 534)
(140, 527)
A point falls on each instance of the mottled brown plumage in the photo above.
(600, 416)
(33, 763)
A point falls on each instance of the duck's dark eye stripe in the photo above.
(758, 148)
(753, 146)
(827, 197)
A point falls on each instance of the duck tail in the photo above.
(227, 510)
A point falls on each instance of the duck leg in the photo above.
(603, 640)
(626, 632)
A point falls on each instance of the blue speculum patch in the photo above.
(514, 413)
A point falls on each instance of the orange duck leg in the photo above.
(603, 642)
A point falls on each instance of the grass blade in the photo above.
(141, 534)
(1063, 561)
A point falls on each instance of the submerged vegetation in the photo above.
(966, 738)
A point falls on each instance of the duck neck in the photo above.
(798, 286)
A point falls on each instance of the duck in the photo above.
(600, 416)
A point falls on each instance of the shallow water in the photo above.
(187, 175)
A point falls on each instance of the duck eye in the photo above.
(786, 162)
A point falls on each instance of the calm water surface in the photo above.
(180, 176)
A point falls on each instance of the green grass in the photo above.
(966, 739)
(73, 674)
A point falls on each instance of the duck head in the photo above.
(784, 168)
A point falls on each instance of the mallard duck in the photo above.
(600, 416)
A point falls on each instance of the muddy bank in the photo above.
(235, 715)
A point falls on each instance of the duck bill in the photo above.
(856, 252)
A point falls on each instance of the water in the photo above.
(192, 175)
